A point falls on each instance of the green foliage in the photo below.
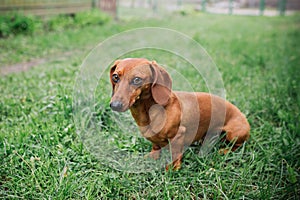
(59, 23)
(42, 157)
(15, 24)
(81, 19)
(93, 17)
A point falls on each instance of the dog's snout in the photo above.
(116, 105)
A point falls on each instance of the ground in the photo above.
(43, 157)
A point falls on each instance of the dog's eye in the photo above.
(115, 78)
(137, 81)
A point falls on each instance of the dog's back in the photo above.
(204, 112)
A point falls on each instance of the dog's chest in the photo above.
(161, 138)
(158, 140)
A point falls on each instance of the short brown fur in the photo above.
(168, 117)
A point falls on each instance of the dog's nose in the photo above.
(116, 105)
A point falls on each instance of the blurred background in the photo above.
(121, 8)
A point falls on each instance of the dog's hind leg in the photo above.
(237, 132)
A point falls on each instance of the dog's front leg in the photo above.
(155, 152)
(176, 148)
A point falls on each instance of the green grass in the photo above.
(42, 156)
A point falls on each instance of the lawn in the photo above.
(42, 156)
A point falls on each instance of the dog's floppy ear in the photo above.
(112, 70)
(161, 84)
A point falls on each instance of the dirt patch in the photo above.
(20, 67)
(25, 66)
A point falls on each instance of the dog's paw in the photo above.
(175, 166)
(224, 151)
(153, 155)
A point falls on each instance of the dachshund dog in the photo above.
(167, 117)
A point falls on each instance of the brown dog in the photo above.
(171, 118)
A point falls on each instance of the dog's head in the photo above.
(137, 79)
